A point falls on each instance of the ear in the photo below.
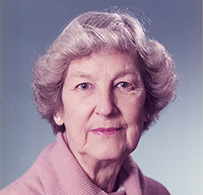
(58, 118)
(146, 116)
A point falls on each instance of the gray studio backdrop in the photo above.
(170, 152)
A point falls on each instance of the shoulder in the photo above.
(31, 181)
(153, 187)
(147, 185)
(15, 188)
(43, 173)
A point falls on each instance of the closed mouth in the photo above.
(107, 131)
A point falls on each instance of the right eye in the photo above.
(84, 86)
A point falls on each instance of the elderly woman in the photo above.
(100, 85)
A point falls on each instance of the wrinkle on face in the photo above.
(103, 70)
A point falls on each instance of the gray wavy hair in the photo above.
(91, 32)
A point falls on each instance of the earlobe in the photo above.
(146, 117)
(58, 119)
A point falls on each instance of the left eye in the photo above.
(125, 85)
(84, 86)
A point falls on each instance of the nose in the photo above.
(106, 105)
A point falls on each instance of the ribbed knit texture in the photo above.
(56, 172)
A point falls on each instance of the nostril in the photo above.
(114, 112)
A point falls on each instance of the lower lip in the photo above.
(106, 132)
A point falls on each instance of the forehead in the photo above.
(110, 62)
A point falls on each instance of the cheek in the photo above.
(76, 116)
(75, 108)
(133, 113)
(132, 109)
(76, 131)
(134, 118)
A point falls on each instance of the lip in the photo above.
(106, 131)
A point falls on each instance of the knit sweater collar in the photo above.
(70, 178)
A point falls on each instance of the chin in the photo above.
(105, 155)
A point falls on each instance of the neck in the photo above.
(102, 173)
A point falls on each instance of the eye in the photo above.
(125, 86)
(84, 86)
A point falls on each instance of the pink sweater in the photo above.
(56, 172)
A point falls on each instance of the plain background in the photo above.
(171, 151)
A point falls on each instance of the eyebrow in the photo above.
(123, 73)
(81, 74)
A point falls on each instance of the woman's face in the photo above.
(103, 105)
